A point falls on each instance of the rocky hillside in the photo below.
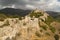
(37, 25)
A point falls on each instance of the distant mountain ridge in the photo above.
(53, 14)
(21, 12)
(12, 11)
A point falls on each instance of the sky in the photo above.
(49, 5)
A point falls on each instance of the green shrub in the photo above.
(38, 34)
(8, 38)
(39, 23)
(49, 20)
(44, 27)
(52, 29)
(5, 24)
(32, 18)
(2, 17)
(24, 23)
(41, 30)
(18, 34)
(56, 37)
(20, 18)
(47, 33)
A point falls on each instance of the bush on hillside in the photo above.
(56, 36)
(49, 20)
(44, 27)
(38, 34)
(2, 17)
(47, 33)
(53, 30)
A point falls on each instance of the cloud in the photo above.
(58, 0)
(53, 5)
(12, 6)
(7, 2)
(30, 6)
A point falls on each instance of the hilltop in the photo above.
(36, 25)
